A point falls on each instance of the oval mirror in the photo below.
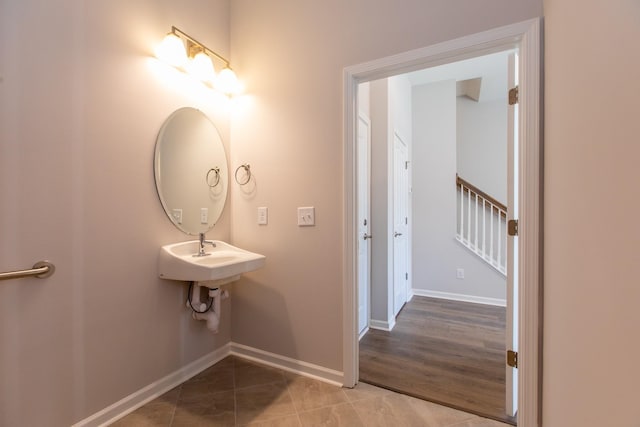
(191, 171)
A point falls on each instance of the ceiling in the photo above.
(491, 69)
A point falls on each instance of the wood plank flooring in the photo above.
(448, 352)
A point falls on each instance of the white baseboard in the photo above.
(139, 398)
(460, 297)
(382, 325)
(288, 364)
(363, 333)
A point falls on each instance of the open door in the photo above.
(400, 223)
(364, 220)
(512, 241)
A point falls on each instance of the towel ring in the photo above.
(216, 170)
(247, 171)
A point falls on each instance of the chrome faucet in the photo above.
(201, 251)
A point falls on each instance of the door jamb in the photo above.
(527, 37)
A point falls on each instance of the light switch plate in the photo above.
(263, 216)
(204, 215)
(306, 216)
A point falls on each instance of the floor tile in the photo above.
(216, 409)
(157, 413)
(399, 410)
(436, 414)
(308, 394)
(237, 392)
(342, 415)
(481, 422)
(287, 421)
(248, 374)
(144, 419)
(220, 376)
(365, 391)
(263, 403)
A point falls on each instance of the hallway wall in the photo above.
(481, 154)
(436, 253)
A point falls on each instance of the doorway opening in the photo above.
(438, 290)
(525, 37)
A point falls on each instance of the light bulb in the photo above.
(172, 51)
(227, 82)
(201, 67)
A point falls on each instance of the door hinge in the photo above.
(406, 220)
(512, 358)
(512, 227)
(513, 96)
(406, 276)
(406, 165)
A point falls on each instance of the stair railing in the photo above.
(482, 224)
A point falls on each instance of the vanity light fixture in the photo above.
(187, 54)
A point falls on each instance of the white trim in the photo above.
(350, 351)
(363, 333)
(288, 364)
(460, 297)
(527, 37)
(146, 394)
(530, 229)
(382, 325)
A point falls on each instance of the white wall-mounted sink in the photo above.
(222, 264)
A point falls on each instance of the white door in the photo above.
(400, 223)
(512, 242)
(363, 154)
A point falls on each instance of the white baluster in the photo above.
(469, 217)
(499, 258)
(484, 227)
(461, 212)
(491, 233)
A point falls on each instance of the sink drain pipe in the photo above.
(209, 311)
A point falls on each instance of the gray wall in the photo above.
(81, 103)
(291, 56)
(482, 145)
(436, 253)
(433, 175)
(591, 291)
(381, 203)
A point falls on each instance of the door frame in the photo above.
(527, 38)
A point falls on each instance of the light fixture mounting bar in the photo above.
(175, 30)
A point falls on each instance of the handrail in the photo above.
(470, 187)
(41, 269)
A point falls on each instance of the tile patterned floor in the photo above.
(236, 392)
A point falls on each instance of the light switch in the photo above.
(263, 216)
(306, 216)
(204, 215)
